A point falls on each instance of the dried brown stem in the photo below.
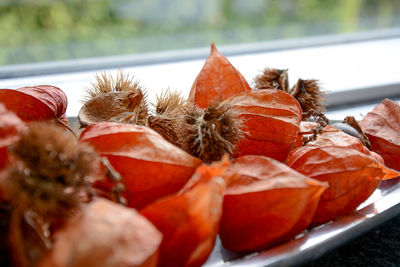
(118, 188)
(321, 120)
(350, 120)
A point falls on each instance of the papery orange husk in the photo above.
(189, 223)
(104, 234)
(352, 176)
(10, 125)
(382, 127)
(150, 166)
(271, 118)
(332, 136)
(265, 202)
(217, 81)
(205, 173)
(43, 102)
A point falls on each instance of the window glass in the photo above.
(47, 30)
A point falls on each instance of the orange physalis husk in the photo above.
(10, 125)
(217, 81)
(382, 127)
(205, 173)
(190, 220)
(265, 202)
(104, 234)
(352, 176)
(271, 119)
(332, 136)
(43, 102)
(150, 166)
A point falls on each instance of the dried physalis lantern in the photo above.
(150, 166)
(217, 81)
(352, 176)
(332, 136)
(10, 125)
(271, 121)
(38, 103)
(190, 220)
(382, 127)
(117, 100)
(104, 234)
(265, 202)
(307, 92)
(46, 181)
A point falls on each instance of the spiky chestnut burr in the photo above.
(50, 172)
(272, 79)
(309, 95)
(307, 92)
(167, 109)
(211, 133)
(118, 100)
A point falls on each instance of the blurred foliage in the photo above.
(46, 30)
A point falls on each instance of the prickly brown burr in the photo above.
(272, 79)
(119, 100)
(211, 133)
(167, 109)
(50, 172)
(309, 95)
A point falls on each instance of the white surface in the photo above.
(338, 67)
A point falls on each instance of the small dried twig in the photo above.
(119, 188)
(321, 120)
(350, 120)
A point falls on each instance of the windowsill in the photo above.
(349, 72)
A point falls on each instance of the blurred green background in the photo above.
(47, 30)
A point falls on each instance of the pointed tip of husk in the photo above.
(213, 48)
(389, 173)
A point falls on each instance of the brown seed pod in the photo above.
(167, 109)
(272, 79)
(307, 92)
(309, 95)
(209, 134)
(50, 172)
(119, 100)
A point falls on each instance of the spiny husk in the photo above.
(272, 79)
(105, 83)
(309, 95)
(166, 126)
(117, 100)
(167, 109)
(50, 173)
(168, 101)
(211, 133)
